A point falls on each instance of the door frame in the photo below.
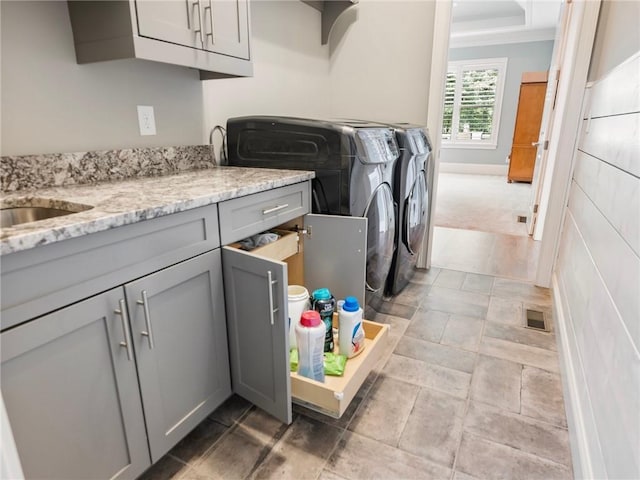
(556, 178)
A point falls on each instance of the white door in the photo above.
(174, 21)
(548, 114)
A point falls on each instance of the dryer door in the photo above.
(415, 214)
(381, 231)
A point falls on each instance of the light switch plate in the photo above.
(146, 120)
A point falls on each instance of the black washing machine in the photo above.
(353, 162)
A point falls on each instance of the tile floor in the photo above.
(463, 392)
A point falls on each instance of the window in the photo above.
(472, 103)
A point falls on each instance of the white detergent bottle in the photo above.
(310, 333)
(298, 302)
(351, 332)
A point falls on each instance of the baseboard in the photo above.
(474, 168)
(583, 466)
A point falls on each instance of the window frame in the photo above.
(459, 66)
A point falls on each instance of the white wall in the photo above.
(51, 104)
(597, 276)
(291, 68)
(522, 57)
(380, 70)
(375, 68)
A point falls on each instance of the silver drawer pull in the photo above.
(147, 318)
(274, 209)
(126, 333)
(271, 284)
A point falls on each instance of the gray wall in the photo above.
(523, 57)
(598, 269)
(51, 104)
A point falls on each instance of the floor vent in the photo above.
(522, 219)
(535, 320)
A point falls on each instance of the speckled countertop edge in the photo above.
(126, 202)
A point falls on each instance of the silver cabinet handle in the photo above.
(274, 209)
(212, 33)
(271, 284)
(186, 2)
(126, 333)
(196, 5)
(147, 318)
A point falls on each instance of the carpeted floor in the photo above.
(485, 203)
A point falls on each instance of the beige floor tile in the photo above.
(522, 335)
(412, 294)
(450, 279)
(166, 468)
(446, 380)
(497, 382)
(231, 410)
(434, 427)
(485, 459)
(485, 253)
(425, 277)
(456, 301)
(347, 416)
(523, 291)
(436, 354)
(328, 475)
(384, 412)
(522, 433)
(463, 332)
(357, 457)
(516, 352)
(542, 396)
(194, 445)
(427, 325)
(478, 283)
(397, 309)
(504, 310)
(243, 449)
(302, 451)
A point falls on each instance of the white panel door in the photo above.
(175, 21)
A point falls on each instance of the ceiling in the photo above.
(485, 22)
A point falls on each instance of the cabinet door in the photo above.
(179, 334)
(226, 27)
(72, 395)
(175, 21)
(335, 254)
(257, 318)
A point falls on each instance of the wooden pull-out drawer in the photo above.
(336, 393)
(286, 246)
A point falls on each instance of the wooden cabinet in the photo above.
(333, 254)
(210, 35)
(527, 128)
(71, 393)
(70, 379)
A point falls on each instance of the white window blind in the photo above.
(472, 103)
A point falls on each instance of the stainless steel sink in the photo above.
(15, 215)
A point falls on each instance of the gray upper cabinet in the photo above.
(180, 339)
(71, 391)
(210, 35)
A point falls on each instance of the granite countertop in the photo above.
(130, 201)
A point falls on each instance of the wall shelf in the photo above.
(331, 10)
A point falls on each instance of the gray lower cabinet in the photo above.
(257, 310)
(105, 387)
(71, 393)
(180, 341)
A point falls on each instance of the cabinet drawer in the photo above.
(336, 393)
(245, 216)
